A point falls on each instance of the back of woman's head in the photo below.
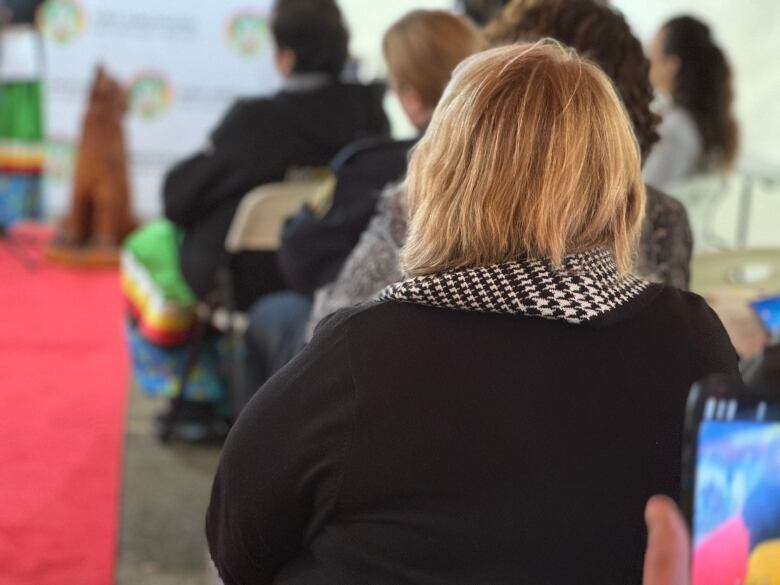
(529, 155)
(702, 86)
(596, 31)
(314, 31)
(423, 48)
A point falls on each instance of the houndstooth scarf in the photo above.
(587, 286)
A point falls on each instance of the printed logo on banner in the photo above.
(247, 32)
(60, 159)
(62, 21)
(151, 94)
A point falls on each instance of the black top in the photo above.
(316, 242)
(257, 142)
(413, 444)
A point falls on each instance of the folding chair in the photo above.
(256, 226)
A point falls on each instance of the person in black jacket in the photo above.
(503, 415)
(259, 140)
(421, 50)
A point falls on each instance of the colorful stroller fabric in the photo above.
(162, 318)
(157, 370)
(158, 297)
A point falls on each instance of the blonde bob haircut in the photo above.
(424, 46)
(530, 154)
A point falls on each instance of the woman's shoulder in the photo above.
(688, 306)
(690, 317)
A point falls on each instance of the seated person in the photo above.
(420, 50)
(602, 34)
(485, 421)
(693, 78)
(259, 140)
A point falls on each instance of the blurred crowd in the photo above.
(465, 356)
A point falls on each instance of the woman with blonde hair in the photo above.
(502, 415)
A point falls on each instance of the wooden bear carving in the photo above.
(100, 212)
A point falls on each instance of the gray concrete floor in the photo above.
(164, 498)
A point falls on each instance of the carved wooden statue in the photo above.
(100, 212)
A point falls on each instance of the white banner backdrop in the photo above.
(183, 61)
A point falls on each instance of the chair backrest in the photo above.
(257, 224)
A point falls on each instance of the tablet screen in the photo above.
(736, 508)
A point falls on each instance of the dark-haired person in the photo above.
(259, 140)
(600, 33)
(693, 78)
(503, 415)
(480, 11)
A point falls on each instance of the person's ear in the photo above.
(413, 104)
(285, 61)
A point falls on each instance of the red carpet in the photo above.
(63, 380)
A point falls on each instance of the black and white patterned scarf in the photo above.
(587, 286)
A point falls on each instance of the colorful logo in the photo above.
(62, 21)
(247, 32)
(150, 95)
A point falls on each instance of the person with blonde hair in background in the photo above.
(504, 414)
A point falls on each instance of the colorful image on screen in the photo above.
(736, 520)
